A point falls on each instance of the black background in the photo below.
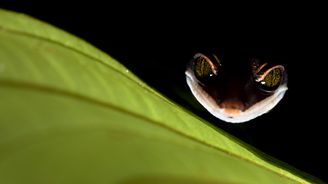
(156, 40)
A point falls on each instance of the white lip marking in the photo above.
(254, 111)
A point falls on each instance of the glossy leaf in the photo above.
(69, 113)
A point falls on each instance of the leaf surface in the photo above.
(70, 113)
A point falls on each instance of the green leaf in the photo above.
(69, 113)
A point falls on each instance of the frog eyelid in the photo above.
(260, 68)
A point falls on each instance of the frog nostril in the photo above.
(233, 104)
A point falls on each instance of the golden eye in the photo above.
(204, 69)
(271, 79)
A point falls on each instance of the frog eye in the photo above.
(270, 79)
(204, 69)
